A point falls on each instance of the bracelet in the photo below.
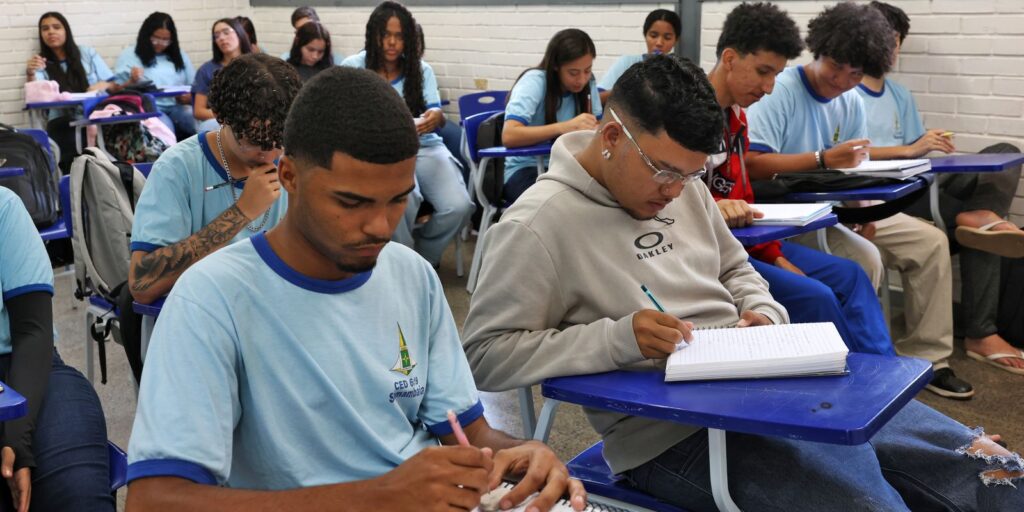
(819, 158)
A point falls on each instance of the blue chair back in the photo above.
(590, 468)
(43, 139)
(477, 102)
(118, 466)
(471, 125)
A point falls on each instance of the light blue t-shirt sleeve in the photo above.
(162, 215)
(768, 119)
(858, 117)
(355, 61)
(616, 70)
(189, 71)
(526, 97)
(188, 401)
(95, 66)
(431, 95)
(913, 126)
(125, 62)
(24, 265)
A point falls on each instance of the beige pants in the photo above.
(920, 252)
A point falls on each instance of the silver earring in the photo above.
(606, 154)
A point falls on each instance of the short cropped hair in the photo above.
(252, 96)
(352, 111)
(853, 34)
(750, 28)
(667, 92)
(898, 20)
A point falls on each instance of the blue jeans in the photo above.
(451, 133)
(70, 445)
(518, 183)
(910, 464)
(835, 290)
(179, 119)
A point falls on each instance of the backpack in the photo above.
(1010, 318)
(37, 187)
(488, 135)
(131, 142)
(103, 198)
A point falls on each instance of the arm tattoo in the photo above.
(172, 260)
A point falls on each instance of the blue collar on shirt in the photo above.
(807, 85)
(214, 160)
(871, 93)
(289, 274)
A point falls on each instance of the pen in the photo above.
(858, 148)
(947, 134)
(226, 183)
(457, 429)
(651, 296)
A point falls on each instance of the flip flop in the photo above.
(1008, 244)
(992, 360)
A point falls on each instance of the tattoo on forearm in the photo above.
(174, 259)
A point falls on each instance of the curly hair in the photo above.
(352, 111)
(74, 79)
(853, 34)
(760, 26)
(408, 63)
(252, 96)
(144, 47)
(898, 20)
(667, 92)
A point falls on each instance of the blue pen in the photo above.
(651, 296)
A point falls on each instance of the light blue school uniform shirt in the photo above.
(96, 69)
(431, 95)
(893, 119)
(174, 203)
(795, 119)
(24, 266)
(618, 68)
(336, 57)
(526, 105)
(162, 72)
(259, 377)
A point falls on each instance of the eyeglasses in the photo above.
(660, 175)
(157, 41)
(224, 32)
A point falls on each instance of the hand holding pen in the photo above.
(242, 180)
(658, 333)
(848, 154)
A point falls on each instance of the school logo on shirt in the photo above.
(897, 129)
(405, 364)
(835, 135)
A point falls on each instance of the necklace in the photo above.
(234, 190)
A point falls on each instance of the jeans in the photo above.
(179, 119)
(912, 463)
(70, 445)
(451, 133)
(835, 290)
(518, 183)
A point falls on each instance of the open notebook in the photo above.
(491, 500)
(890, 168)
(795, 214)
(788, 350)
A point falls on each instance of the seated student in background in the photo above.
(661, 30)
(218, 187)
(343, 394)
(391, 52)
(539, 312)
(813, 119)
(301, 16)
(54, 458)
(451, 133)
(229, 43)
(556, 97)
(970, 204)
(157, 57)
(755, 43)
(250, 32)
(311, 50)
(76, 68)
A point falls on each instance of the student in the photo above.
(755, 43)
(661, 30)
(539, 312)
(342, 397)
(556, 97)
(390, 52)
(451, 133)
(76, 68)
(250, 32)
(55, 457)
(972, 205)
(157, 57)
(217, 187)
(813, 119)
(311, 50)
(229, 43)
(301, 16)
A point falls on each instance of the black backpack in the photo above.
(488, 135)
(37, 187)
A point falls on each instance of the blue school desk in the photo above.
(984, 162)
(12, 404)
(10, 172)
(538, 151)
(753, 235)
(149, 313)
(846, 409)
(35, 110)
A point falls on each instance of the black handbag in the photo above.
(781, 185)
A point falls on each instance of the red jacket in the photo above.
(729, 180)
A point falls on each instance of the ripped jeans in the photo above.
(917, 461)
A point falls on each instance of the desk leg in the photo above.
(546, 419)
(822, 237)
(933, 196)
(719, 473)
(147, 330)
(36, 119)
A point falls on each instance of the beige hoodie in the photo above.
(560, 281)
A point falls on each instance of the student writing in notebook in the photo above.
(312, 367)
(814, 119)
(624, 203)
(755, 43)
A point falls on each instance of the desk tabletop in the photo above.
(882, 192)
(56, 231)
(503, 152)
(55, 104)
(845, 409)
(127, 118)
(982, 162)
(12, 404)
(10, 172)
(753, 235)
(149, 309)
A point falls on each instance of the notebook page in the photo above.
(886, 165)
(728, 347)
(491, 500)
(789, 211)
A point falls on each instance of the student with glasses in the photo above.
(217, 187)
(229, 43)
(157, 57)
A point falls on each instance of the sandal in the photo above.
(1008, 244)
(993, 360)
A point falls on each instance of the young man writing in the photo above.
(311, 367)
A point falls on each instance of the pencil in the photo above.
(460, 435)
(226, 183)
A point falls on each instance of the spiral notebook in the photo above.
(490, 502)
(787, 350)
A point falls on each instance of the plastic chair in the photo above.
(477, 166)
(590, 468)
(118, 467)
(478, 102)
